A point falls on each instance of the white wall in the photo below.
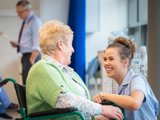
(112, 17)
(54, 9)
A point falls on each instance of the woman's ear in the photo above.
(59, 44)
(126, 61)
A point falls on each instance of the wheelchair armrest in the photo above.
(2, 83)
(53, 111)
(5, 81)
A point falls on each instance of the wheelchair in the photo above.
(51, 114)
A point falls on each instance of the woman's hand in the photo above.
(110, 111)
(99, 98)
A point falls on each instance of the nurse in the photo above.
(134, 93)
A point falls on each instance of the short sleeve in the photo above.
(35, 27)
(138, 84)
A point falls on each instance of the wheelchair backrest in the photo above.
(21, 95)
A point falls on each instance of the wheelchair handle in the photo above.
(5, 81)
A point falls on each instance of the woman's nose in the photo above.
(105, 63)
(72, 49)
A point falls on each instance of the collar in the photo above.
(67, 69)
(127, 79)
(27, 20)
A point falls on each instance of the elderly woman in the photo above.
(52, 84)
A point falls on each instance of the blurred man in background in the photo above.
(27, 43)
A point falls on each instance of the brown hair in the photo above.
(127, 47)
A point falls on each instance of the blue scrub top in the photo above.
(150, 107)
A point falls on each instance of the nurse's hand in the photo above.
(98, 98)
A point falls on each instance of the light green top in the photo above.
(45, 81)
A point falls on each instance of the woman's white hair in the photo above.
(51, 32)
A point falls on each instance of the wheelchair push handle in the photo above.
(5, 81)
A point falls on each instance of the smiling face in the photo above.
(115, 67)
